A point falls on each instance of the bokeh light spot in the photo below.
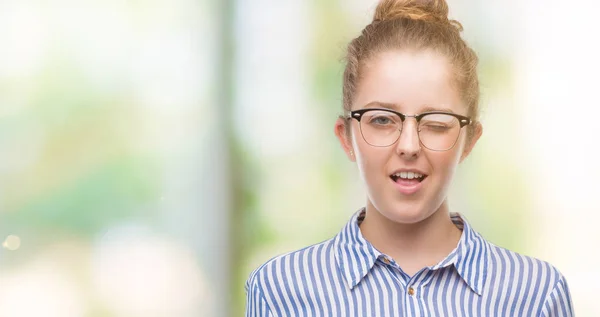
(12, 243)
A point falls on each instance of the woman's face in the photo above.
(410, 83)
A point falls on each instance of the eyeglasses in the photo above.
(437, 130)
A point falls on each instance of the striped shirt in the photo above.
(347, 276)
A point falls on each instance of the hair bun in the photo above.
(426, 10)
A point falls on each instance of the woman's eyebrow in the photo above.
(396, 107)
(379, 104)
(432, 109)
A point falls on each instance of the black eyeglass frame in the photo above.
(462, 120)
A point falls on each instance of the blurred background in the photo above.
(153, 153)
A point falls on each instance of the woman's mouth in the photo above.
(408, 182)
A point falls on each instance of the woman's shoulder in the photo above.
(301, 263)
(526, 283)
(506, 266)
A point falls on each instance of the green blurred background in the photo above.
(153, 153)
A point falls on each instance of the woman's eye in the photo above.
(436, 127)
(381, 120)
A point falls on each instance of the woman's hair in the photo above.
(414, 25)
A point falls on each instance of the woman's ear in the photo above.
(477, 131)
(343, 134)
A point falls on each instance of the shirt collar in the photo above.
(355, 256)
(470, 257)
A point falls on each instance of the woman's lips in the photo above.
(408, 186)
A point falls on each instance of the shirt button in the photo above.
(411, 291)
(386, 260)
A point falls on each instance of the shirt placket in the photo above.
(411, 289)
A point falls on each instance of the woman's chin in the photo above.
(406, 218)
(405, 214)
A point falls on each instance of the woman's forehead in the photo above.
(408, 81)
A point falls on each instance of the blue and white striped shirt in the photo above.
(347, 276)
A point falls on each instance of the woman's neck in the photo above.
(416, 245)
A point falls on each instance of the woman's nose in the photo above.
(408, 145)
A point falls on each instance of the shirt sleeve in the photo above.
(558, 303)
(256, 305)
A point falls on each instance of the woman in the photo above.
(411, 105)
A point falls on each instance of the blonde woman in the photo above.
(410, 101)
